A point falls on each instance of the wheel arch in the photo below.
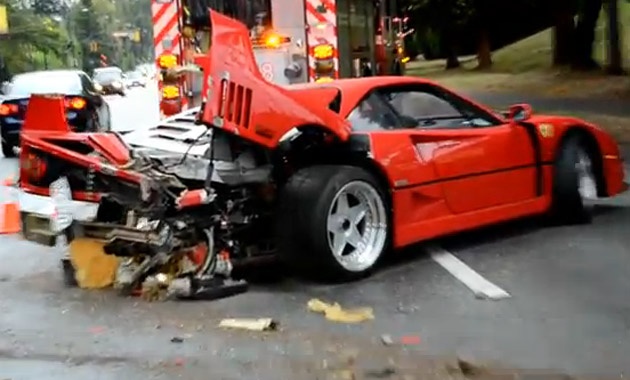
(354, 152)
(593, 149)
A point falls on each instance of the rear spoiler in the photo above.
(46, 113)
(239, 100)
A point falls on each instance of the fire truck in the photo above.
(294, 42)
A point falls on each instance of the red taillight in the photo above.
(33, 167)
(8, 109)
(76, 103)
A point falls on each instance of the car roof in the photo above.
(49, 72)
(353, 90)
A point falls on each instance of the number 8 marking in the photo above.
(267, 71)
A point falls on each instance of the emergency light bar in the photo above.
(270, 41)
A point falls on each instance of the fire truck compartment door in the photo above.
(271, 63)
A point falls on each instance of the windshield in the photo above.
(27, 84)
(105, 76)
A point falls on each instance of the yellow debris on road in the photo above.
(334, 312)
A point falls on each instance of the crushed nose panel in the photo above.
(242, 102)
(46, 113)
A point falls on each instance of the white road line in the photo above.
(481, 287)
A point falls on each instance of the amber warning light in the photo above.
(167, 61)
(324, 51)
(271, 40)
(170, 92)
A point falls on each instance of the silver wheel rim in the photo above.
(587, 184)
(357, 226)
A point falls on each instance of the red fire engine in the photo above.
(294, 41)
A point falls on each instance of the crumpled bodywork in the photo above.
(45, 125)
(240, 101)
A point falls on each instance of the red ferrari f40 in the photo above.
(326, 176)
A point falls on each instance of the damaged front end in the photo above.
(176, 222)
(183, 218)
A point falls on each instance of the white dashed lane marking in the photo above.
(481, 287)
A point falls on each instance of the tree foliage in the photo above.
(60, 33)
(35, 41)
(49, 7)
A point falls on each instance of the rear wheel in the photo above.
(575, 182)
(7, 150)
(333, 222)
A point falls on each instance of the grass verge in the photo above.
(525, 66)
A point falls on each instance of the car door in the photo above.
(482, 160)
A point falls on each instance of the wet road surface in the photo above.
(567, 309)
(610, 107)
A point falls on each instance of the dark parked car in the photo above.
(87, 111)
(111, 80)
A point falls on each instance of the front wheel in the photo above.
(575, 182)
(333, 222)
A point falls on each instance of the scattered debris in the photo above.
(334, 312)
(410, 340)
(467, 368)
(94, 269)
(384, 373)
(215, 288)
(260, 324)
(387, 339)
(177, 339)
(407, 340)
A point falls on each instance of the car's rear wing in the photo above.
(46, 113)
(242, 102)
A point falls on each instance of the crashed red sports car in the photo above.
(328, 176)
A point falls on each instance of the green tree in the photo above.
(615, 60)
(573, 39)
(34, 41)
(428, 17)
(48, 7)
(89, 19)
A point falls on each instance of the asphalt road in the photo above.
(565, 309)
(611, 107)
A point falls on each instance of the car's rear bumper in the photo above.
(37, 213)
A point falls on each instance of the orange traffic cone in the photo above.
(9, 210)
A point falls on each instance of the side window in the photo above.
(372, 114)
(86, 82)
(431, 107)
(421, 105)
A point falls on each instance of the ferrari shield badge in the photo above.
(546, 130)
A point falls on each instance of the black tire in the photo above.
(7, 150)
(302, 221)
(569, 207)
